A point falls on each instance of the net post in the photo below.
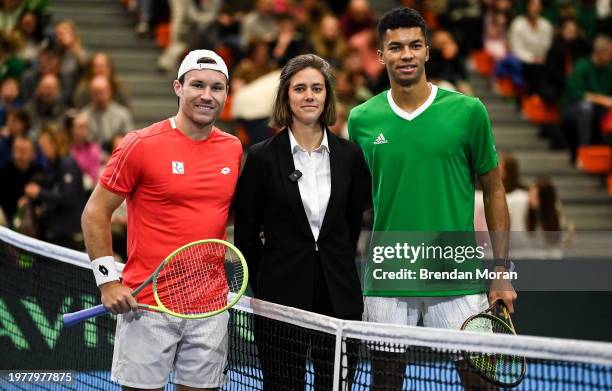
(338, 355)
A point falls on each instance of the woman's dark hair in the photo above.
(69, 118)
(281, 111)
(546, 215)
(22, 116)
(402, 17)
(115, 84)
(512, 177)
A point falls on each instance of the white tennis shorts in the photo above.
(447, 312)
(148, 345)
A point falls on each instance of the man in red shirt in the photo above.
(178, 178)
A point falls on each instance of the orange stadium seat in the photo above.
(162, 35)
(226, 54)
(595, 159)
(243, 135)
(483, 62)
(431, 18)
(536, 110)
(226, 113)
(606, 123)
(505, 87)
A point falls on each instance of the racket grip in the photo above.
(79, 316)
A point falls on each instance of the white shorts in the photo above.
(148, 345)
(447, 312)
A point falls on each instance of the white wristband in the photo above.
(104, 270)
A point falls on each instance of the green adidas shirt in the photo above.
(424, 165)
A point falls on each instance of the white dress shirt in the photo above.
(315, 182)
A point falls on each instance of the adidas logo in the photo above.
(380, 140)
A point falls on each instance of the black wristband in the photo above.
(500, 262)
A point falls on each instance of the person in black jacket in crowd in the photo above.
(19, 171)
(60, 194)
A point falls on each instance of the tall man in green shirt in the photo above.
(425, 146)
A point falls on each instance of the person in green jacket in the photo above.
(588, 95)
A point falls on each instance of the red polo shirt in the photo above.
(178, 190)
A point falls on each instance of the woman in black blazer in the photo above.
(305, 190)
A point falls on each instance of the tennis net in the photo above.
(289, 348)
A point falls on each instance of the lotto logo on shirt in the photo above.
(178, 168)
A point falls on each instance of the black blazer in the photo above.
(281, 267)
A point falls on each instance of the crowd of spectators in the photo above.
(533, 207)
(555, 50)
(257, 37)
(62, 108)
(556, 56)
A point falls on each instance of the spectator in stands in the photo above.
(340, 127)
(310, 13)
(106, 117)
(568, 46)
(445, 65)
(46, 107)
(586, 14)
(192, 24)
(100, 64)
(289, 42)
(144, 13)
(31, 34)
(10, 12)
(517, 196)
(59, 194)
(352, 64)
(259, 24)
(86, 153)
(496, 23)
(357, 17)
(349, 89)
(337, 7)
(228, 26)
(256, 64)
(10, 64)
(21, 169)
(9, 98)
(545, 210)
(587, 96)
(48, 63)
(366, 44)
(464, 19)
(73, 56)
(604, 16)
(17, 124)
(530, 38)
(328, 41)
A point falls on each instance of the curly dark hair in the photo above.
(402, 17)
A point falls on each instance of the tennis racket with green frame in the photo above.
(504, 370)
(198, 280)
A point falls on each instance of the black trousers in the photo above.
(283, 348)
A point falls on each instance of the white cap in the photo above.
(190, 62)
